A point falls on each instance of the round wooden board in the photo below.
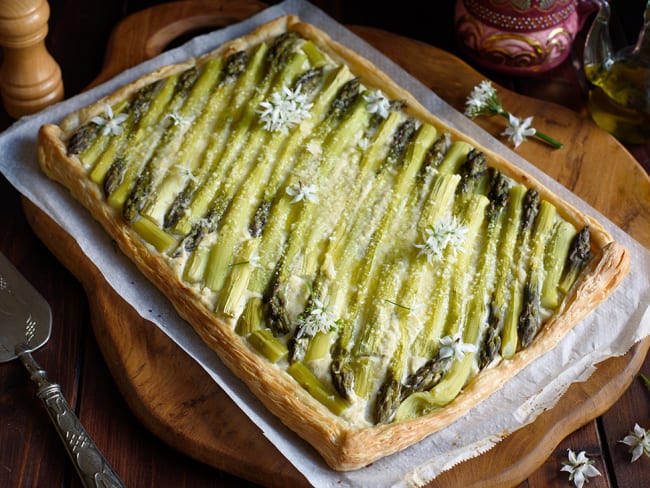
(174, 398)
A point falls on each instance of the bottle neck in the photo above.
(642, 47)
(598, 45)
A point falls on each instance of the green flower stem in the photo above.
(540, 135)
(645, 380)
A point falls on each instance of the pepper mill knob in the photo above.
(30, 79)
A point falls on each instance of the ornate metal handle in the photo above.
(93, 469)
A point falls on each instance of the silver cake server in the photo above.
(25, 325)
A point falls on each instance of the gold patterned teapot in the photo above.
(519, 37)
(619, 95)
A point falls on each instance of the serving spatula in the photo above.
(25, 325)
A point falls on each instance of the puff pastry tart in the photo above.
(370, 273)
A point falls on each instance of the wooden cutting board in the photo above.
(174, 398)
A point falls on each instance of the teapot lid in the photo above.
(521, 15)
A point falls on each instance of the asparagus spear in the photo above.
(133, 145)
(555, 256)
(283, 213)
(436, 154)
(221, 255)
(83, 138)
(281, 67)
(459, 371)
(264, 341)
(251, 317)
(306, 232)
(389, 394)
(579, 255)
(105, 136)
(300, 220)
(303, 375)
(455, 157)
(509, 336)
(239, 277)
(530, 317)
(497, 308)
(237, 280)
(114, 176)
(130, 197)
(432, 371)
(154, 235)
(472, 171)
(179, 181)
(369, 337)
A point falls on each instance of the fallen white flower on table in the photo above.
(580, 468)
(518, 130)
(639, 442)
(483, 100)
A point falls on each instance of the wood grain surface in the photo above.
(177, 401)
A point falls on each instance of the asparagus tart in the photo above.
(369, 272)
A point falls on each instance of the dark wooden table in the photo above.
(30, 452)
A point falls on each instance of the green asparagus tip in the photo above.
(388, 400)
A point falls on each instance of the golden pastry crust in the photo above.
(342, 447)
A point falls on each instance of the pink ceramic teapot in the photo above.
(519, 37)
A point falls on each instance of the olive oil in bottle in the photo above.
(619, 100)
(619, 92)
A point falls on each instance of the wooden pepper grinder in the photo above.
(30, 79)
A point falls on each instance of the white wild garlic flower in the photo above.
(445, 232)
(483, 100)
(377, 103)
(254, 260)
(518, 130)
(110, 123)
(300, 191)
(185, 172)
(638, 441)
(178, 120)
(580, 468)
(284, 109)
(453, 347)
(319, 317)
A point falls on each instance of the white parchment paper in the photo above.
(611, 330)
